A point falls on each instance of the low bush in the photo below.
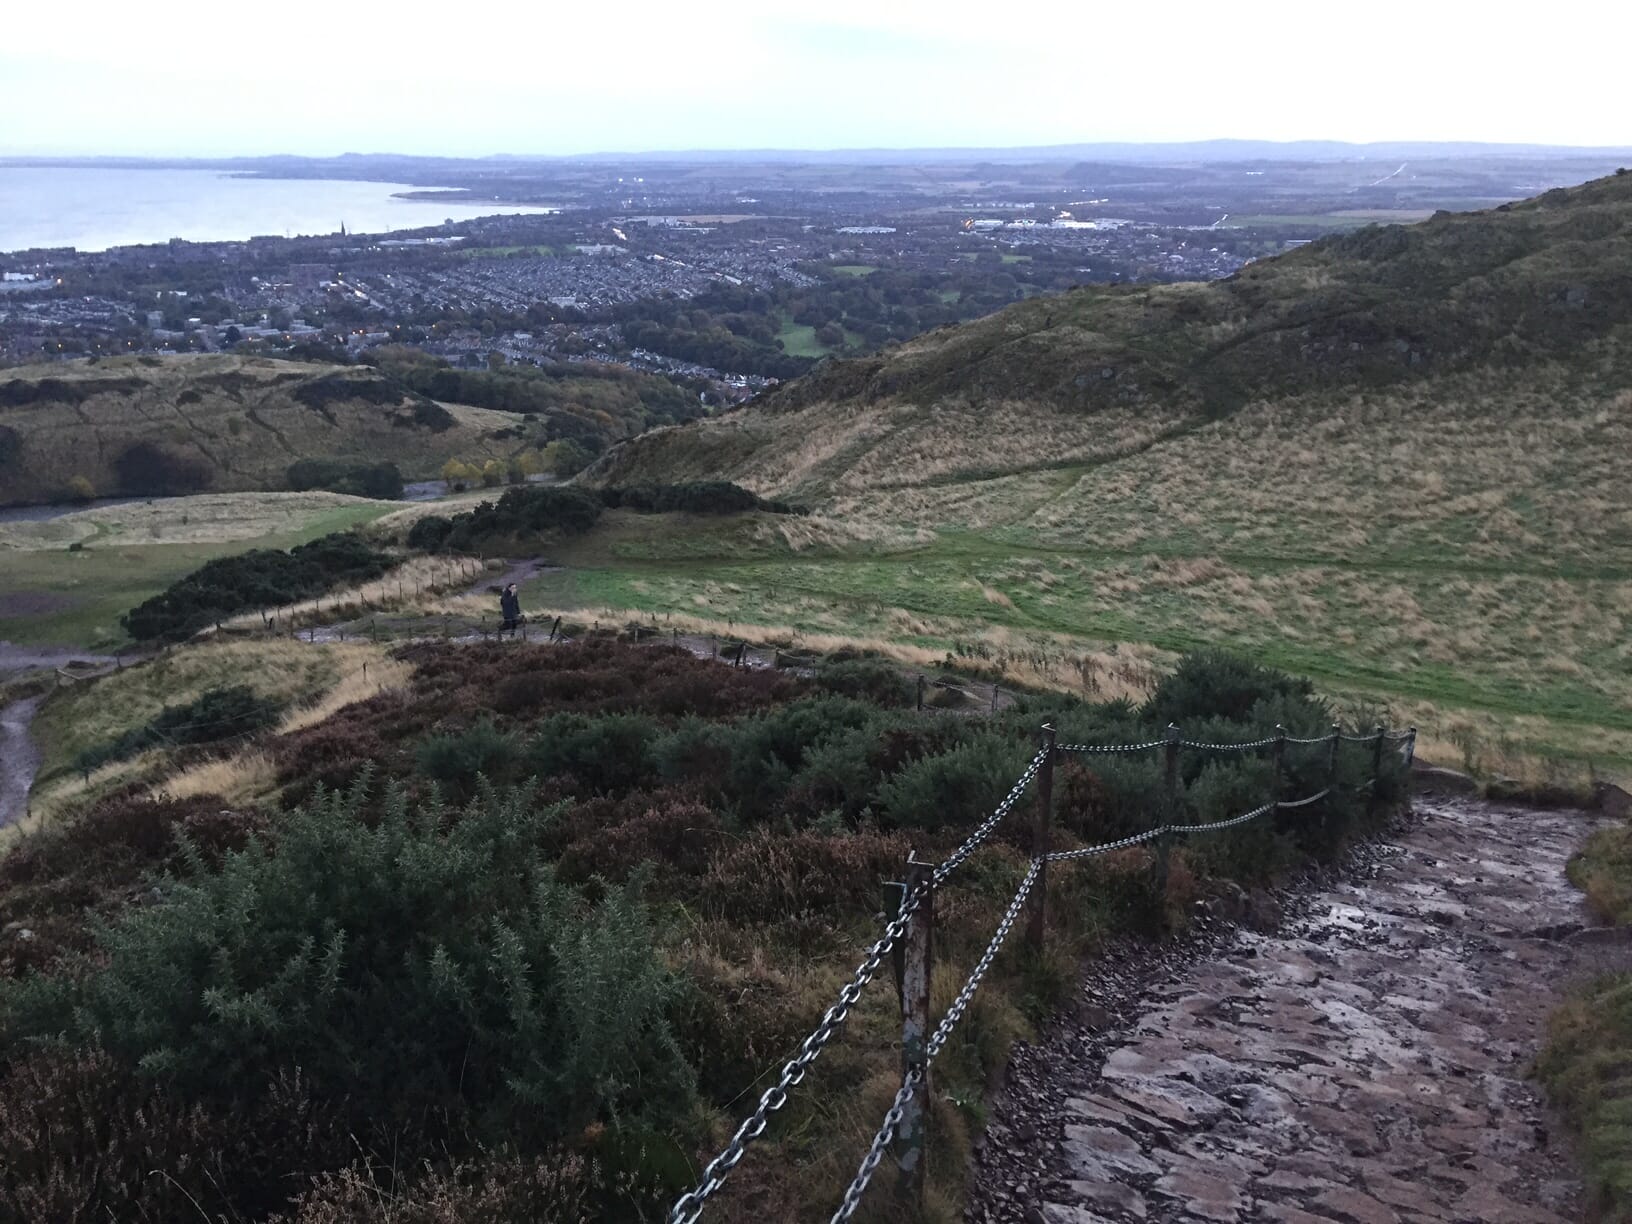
(433, 980)
(1214, 684)
(459, 759)
(699, 497)
(219, 714)
(145, 469)
(874, 680)
(378, 480)
(260, 578)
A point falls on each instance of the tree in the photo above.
(566, 457)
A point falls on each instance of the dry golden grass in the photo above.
(239, 779)
(206, 518)
(373, 677)
(419, 584)
(88, 714)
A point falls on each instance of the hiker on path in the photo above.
(510, 605)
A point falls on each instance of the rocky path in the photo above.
(1363, 1064)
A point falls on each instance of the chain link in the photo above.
(1222, 824)
(1319, 739)
(955, 1012)
(1263, 743)
(881, 1143)
(1297, 803)
(1113, 747)
(690, 1205)
(1063, 856)
(989, 825)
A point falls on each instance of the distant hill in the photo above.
(1475, 331)
(131, 426)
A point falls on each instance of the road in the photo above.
(1364, 1063)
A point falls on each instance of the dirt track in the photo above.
(1366, 1063)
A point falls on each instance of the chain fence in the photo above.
(688, 1208)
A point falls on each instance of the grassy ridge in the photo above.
(238, 421)
(1391, 460)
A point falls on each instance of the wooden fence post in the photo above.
(1170, 806)
(555, 629)
(1376, 763)
(920, 691)
(1041, 829)
(1331, 756)
(914, 970)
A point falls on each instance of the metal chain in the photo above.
(1263, 743)
(881, 1143)
(1222, 824)
(955, 1012)
(1297, 803)
(1061, 856)
(690, 1205)
(989, 825)
(892, 1119)
(1319, 739)
(1113, 747)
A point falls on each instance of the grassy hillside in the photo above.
(218, 423)
(1393, 460)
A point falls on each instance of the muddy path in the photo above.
(19, 758)
(1364, 1062)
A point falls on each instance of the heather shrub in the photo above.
(556, 1188)
(84, 1141)
(873, 680)
(669, 835)
(766, 876)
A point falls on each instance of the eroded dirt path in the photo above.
(1365, 1064)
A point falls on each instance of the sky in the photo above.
(113, 77)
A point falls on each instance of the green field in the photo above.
(799, 340)
(58, 596)
(502, 252)
(854, 269)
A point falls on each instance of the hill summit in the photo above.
(1101, 372)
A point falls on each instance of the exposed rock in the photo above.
(1363, 1060)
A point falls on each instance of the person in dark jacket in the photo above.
(510, 605)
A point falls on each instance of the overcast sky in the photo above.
(507, 76)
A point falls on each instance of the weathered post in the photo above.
(1278, 755)
(1170, 809)
(1331, 756)
(920, 691)
(555, 629)
(995, 688)
(913, 969)
(1376, 762)
(1041, 829)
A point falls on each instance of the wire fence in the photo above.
(903, 1124)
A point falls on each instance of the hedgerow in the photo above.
(260, 578)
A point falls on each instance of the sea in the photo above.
(92, 208)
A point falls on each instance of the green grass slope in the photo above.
(1393, 460)
(237, 422)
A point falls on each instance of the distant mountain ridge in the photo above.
(1246, 150)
